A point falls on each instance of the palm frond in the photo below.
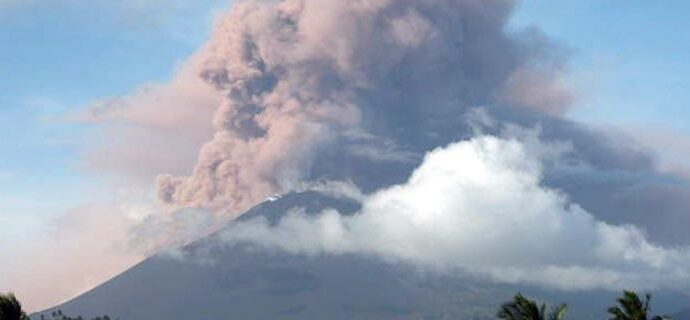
(558, 312)
(631, 307)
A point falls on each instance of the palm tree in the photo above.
(522, 308)
(631, 307)
(11, 308)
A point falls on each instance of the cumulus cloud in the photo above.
(480, 206)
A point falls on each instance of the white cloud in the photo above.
(479, 206)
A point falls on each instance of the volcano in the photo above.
(211, 279)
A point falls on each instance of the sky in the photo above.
(628, 66)
(632, 51)
(58, 59)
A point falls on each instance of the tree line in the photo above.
(629, 306)
(11, 309)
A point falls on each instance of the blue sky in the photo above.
(57, 58)
(629, 57)
(629, 61)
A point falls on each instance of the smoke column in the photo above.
(296, 75)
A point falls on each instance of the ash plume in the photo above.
(296, 91)
(299, 76)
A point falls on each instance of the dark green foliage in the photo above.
(11, 308)
(522, 308)
(631, 307)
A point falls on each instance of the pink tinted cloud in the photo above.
(79, 251)
(672, 148)
(158, 128)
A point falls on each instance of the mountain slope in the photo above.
(218, 281)
(682, 315)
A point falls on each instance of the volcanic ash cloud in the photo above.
(297, 75)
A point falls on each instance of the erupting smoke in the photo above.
(295, 93)
(297, 75)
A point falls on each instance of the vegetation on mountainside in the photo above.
(58, 315)
(11, 309)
